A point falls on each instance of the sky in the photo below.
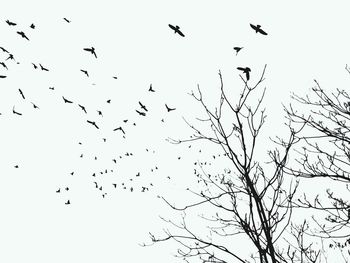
(306, 40)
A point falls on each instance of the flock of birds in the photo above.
(142, 109)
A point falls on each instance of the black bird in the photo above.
(66, 101)
(4, 65)
(32, 26)
(4, 50)
(143, 106)
(16, 166)
(115, 77)
(65, 19)
(151, 89)
(10, 57)
(35, 106)
(21, 33)
(91, 50)
(246, 71)
(169, 109)
(59, 190)
(82, 107)
(67, 203)
(15, 112)
(67, 188)
(141, 113)
(2, 76)
(176, 30)
(85, 72)
(237, 49)
(43, 68)
(108, 101)
(35, 66)
(21, 92)
(93, 123)
(115, 185)
(258, 29)
(10, 23)
(100, 113)
(51, 88)
(119, 128)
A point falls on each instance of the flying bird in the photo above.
(108, 101)
(66, 101)
(143, 106)
(119, 128)
(141, 113)
(21, 92)
(4, 50)
(169, 109)
(15, 112)
(4, 65)
(10, 23)
(10, 57)
(35, 106)
(52, 88)
(82, 107)
(35, 66)
(91, 50)
(32, 26)
(237, 49)
(93, 123)
(151, 89)
(99, 113)
(2, 76)
(85, 72)
(65, 19)
(176, 30)
(258, 29)
(67, 203)
(246, 71)
(22, 34)
(115, 77)
(43, 68)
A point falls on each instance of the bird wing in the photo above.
(253, 26)
(172, 27)
(180, 33)
(240, 68)
(262, 32)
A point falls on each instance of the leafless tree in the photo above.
(249, 198)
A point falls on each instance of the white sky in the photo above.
(307, 40)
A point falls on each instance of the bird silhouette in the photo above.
(91, 50)
(16, 166)
(151, 89)
(65, 19)
(258, 29)
(93, 123)
(4, 50)
(32, 26)
(35, 66)
(22, 34)
(66, 101)
(10, 23)
(237, 49)
(21, 92)
(10, 57)
(43, 68)
(3, 76)
(52, 88)
(99, 113)
(59, 190)
(85, 72)
(169, 109)
(141, 113)
(15, 112)
(115, 77)
(34, 106)
(176, 30)
(108, 101)
(67, 203)
(4, 65)
(246, 71)
(143, 106)
(82, 107)
(120, 129)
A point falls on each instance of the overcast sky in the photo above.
(306, 40)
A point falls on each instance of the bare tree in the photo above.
(249, 198)
(324, 156)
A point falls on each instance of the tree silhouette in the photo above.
(249, 199)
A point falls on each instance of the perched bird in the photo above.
(4, 50)
(10, 23)
(85, 72)
(143, 106)
(21, 92)
(15, 112)
(66, 101)
(169, 109)
(32, 26)
(4, 65)
(176, 30)
(94, 124)
(65, 19)
(258, 29)
(119, 128)
(91, 50)
(151, 89)
(246, 71)
(237, 49)
(43, 68)
(22, 34)
(141, 113)
(82, 107)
